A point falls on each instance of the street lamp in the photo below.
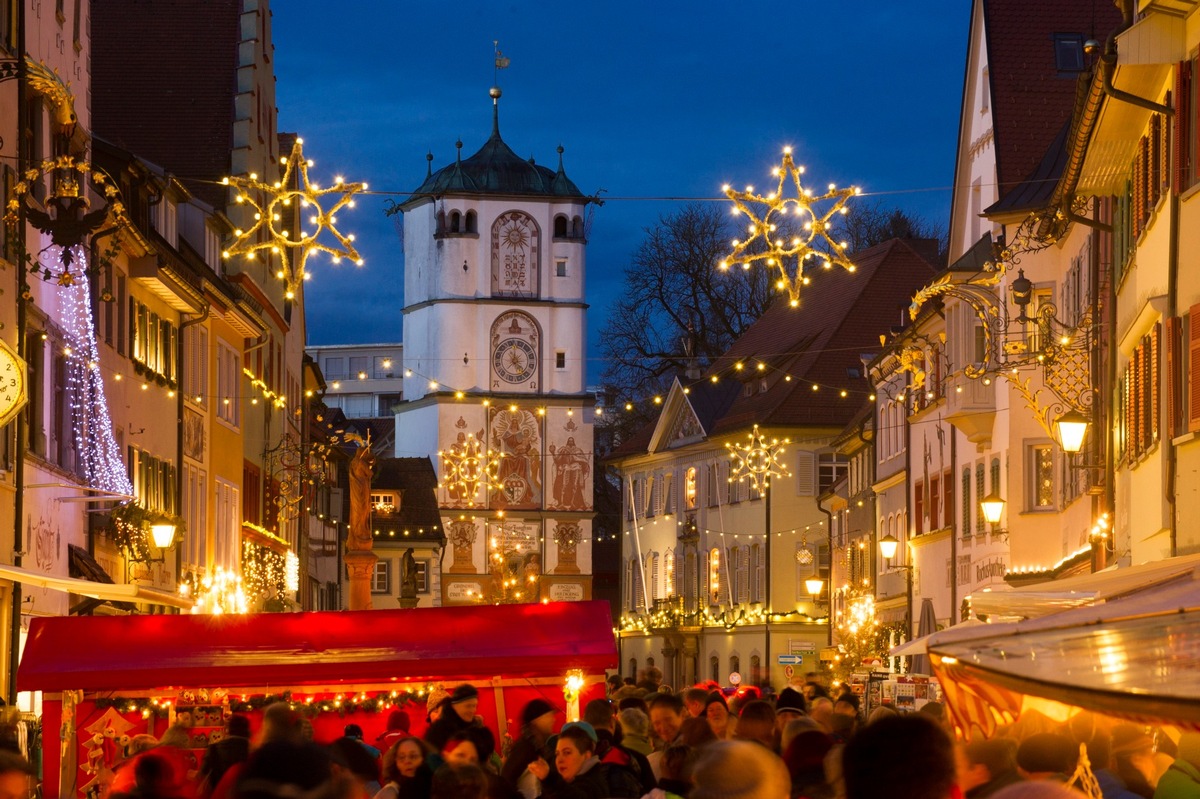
(1071, 427)
(887, 548)
(992, 507)
(163, 534)
(815, 586)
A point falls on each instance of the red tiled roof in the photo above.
(840, 318)
(1030, 100)
(164, 76)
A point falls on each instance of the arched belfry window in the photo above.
(455, 222)
(560, 227)
(577, 227)
(516, 251)
(472, 222)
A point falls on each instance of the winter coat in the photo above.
(1180, 781)
(595, 780)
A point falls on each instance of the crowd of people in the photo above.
(648, 741)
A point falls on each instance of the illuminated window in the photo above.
(383, 503)
(714, 576)
(689, 487)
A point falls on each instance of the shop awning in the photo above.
(1085, 589)
(317, 648)
(1137, 658)
(117, 592)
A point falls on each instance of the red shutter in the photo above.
(1154, 381)
(1180, 123)
(1139, 189)
(1192, 369)
(1173, 375)
(1155, 178)
(1136, 394)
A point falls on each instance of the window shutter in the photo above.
(1173, 375)
(1155, 156)
(806, 474)
(1192, 369)
(1180, 123)
(743, 574)
(1139, 186)
(1154, 378)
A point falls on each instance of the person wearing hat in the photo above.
(716, 710)
(457, 713)
(537, 725)
(578, 772)
(789, 706)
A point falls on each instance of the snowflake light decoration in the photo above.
(790, 235)
(272, 204)
(757, 461)
(468, 464)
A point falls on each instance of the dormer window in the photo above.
(383, 502)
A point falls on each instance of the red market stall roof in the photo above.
(109, 653)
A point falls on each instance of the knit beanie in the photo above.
(790, 699)
(463, 693)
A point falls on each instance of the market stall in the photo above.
(1135, 656)
(107, 679)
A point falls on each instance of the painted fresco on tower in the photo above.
(569, 457)
(466, 466)
(517, 435)
(516, 244)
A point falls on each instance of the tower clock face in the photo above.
(514, 360)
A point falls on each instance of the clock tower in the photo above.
(494, 324)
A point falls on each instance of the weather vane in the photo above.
(784, 244)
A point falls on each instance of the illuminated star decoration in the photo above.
(787, 245)
(757, 461)
(467, 465)
(272, 203)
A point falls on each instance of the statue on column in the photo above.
(408, 580)
(360, 560)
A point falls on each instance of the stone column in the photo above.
(361, 565)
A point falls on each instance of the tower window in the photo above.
(560, 227)
(472, 222)
(560, 360)
(455, 222)
(560, 268)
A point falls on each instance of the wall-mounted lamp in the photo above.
(992, 508)
(887, 547)
(815, 586)
(1071, 428)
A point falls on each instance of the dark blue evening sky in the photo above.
(651, 100)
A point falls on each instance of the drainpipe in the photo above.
(953, 537)
(829, 535)
(1108, 64)
(14, 642)
(180, 410)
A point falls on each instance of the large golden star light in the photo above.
(757, 461)
(467, 464)
(790, 235)
(271, 203)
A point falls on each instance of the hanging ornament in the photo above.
(294, 196)
(757, 461)
(791, 236)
